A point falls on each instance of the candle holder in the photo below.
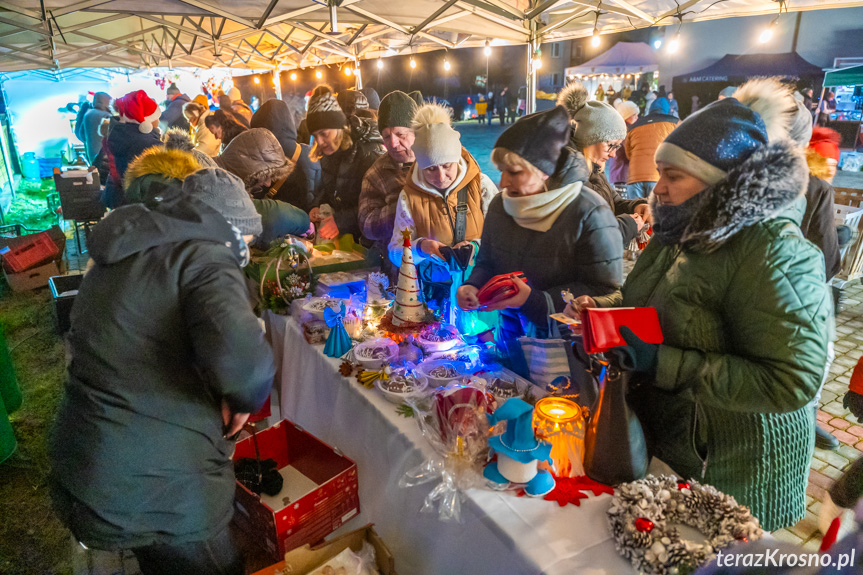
(561, 422)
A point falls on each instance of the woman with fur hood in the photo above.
(598, 133)
(346, 147)
(442, 205)
(742, 302)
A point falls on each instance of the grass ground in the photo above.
(32, 540)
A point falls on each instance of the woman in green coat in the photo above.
(742, 303)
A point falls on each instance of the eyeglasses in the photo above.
(614, 147)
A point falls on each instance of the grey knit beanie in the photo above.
(801, 124)
(396, 109)
(435, 142)
(225, 193)
(325, 114)
(595, 121)
(352, 100)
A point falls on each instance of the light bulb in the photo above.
(413, 63)
(293, 76)
(380, 63)
(348, 71)
(594, 41)
(318, 75)
(657, 44)
(766, 35)
(257, 80)
(487, 51)
(446, 65)
(674, 45)
(537, 63)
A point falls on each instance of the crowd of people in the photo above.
(164, 342)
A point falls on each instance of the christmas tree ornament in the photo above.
(518, 451)
(338, 342)
(408, 308)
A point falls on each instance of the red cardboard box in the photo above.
(34, 250)
(319, 482)
(36, 277)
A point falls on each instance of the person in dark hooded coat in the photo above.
(299, 188)
(167, 360)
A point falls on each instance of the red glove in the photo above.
(854, 398)
(328, 229)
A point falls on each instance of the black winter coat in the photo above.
(173, 116)
(299, 188)
(620, 206)
(342, 175)
(124, 143)
(162, 332)
(582, 252)
(818, 225)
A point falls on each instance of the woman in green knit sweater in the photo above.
(742, 304)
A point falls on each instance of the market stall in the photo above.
(621, 65)
(734, 69)
(463, 465)
(847, 83)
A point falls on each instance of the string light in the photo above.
(537, 61)
(595, 40)
(348, 71)
(487, 49)
(380, 64)
(657, 44)
(257, 80)
(446, 65)
(674, 44)
(413, 62)
(767, 33)
(293, 76)
(318, 75)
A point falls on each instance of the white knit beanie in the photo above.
(626, 108)
(435, 141)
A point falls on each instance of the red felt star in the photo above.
(573, 490)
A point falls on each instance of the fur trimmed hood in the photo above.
(170, 164)
(762, 187)
(256, 156)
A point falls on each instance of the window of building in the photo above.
(555, 79)
(555, 50)
(578, 53)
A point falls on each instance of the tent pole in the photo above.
(277, 82)
(818, 109)
(530, 96)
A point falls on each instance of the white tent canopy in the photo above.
(59, 35)
(622, 58)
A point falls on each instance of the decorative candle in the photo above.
(560, 422)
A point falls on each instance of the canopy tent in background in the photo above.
(620, 65)
(734, 69)
(845, 77)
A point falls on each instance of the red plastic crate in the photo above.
(332, 500)
(39, 249)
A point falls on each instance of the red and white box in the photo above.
(320, 491)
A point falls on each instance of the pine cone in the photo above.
(346, 368)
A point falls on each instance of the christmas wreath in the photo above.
(641, 517)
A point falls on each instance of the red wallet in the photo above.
(499, 288)
(600, 327)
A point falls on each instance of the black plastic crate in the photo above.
(63, 300)
(80, 200)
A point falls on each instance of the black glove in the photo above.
(636, 355)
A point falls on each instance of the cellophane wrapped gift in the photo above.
(454, 420)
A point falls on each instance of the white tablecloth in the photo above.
(500, 533)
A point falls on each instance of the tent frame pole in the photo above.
(530, 96)
(820, 100)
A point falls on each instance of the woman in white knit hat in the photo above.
(445, 198)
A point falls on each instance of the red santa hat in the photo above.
(140, 108)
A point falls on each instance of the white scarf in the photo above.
(538, 212)
(420, 181)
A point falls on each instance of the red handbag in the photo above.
(499, 288)
(600, 327)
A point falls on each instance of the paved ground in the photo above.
(479, 140)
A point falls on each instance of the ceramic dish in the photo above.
(440, 372)
(317, 305)
(374, 353)
(441, 339)
(398, 388)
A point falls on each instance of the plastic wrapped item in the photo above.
(454, 420)
(350, 563)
